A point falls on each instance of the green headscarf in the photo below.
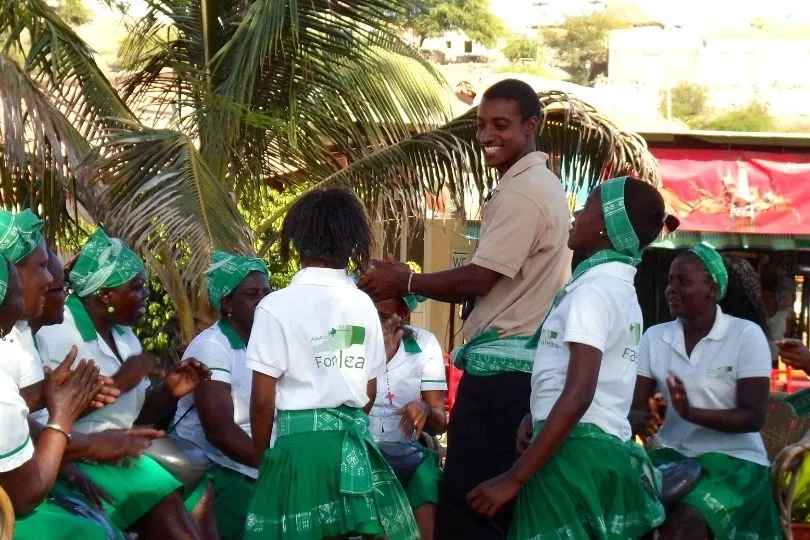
(413, 300)
(3, 279)
(619, 229)
(714, 264)
(227, 271)
(20, 234)
(103, 262)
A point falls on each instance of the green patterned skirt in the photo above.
(733, 495)
(423, 487)
(595, 486)
(325, 477)
(232, 492)
(52, 521)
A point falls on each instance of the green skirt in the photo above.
(52, 521)
(594, 486)
(298, 496)
(232, 492)
(136, 487)
(733, 495)
(423, 487)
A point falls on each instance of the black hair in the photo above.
(331, 225)
(646, 211)
(515, 90)
(743, 297)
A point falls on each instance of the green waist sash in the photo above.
(489, 354)
(358, 444)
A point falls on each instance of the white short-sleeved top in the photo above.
(16, 446)
(321, 338)
(54, 342)
(599, 309)
(22, 360)
(223, 351)
(734, 349)
(418, 366)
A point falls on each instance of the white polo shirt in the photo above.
(16, 446)
(54, 342)
(417, 367)
(225, 357)
(599, 309)
(22, 360)
(321, 338)
(734, 349)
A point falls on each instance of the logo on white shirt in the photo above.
(331, 349)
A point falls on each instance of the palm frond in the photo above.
(63, 66)
(584, 149)
(40, 151)
(159, 193)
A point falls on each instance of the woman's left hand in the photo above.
(677, 394)
(73, 476)
(413, 417)
(184, 378)
(490, 496)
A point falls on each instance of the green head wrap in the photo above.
(227, 272)
(619, 229)
(413, 300)
(20, 234)
(714, 264)
(3, 279)
(103, 262)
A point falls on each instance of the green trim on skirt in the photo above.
(49, 520)
(423, 487)
(232, 492)
(733, 495)
(298, 493)
(594, 486)
(136, 487)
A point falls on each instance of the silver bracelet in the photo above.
(410, 277)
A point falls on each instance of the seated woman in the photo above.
(28, 473)
(108, 299)
(216, 416)
(410, 398)
(714, 371)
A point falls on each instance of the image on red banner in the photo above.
(734, 191)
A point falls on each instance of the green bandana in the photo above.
(413, 300)
(3, 279)
(619, 229)
(103, 262)
(714, 264)
(227, 272)
(20, 234)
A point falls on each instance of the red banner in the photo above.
(737, 191)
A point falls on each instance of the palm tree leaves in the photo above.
(158, 193)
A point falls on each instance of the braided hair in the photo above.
(744, 295)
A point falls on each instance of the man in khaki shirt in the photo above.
(521, 261)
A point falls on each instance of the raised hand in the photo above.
(385, 279)
(794, 353)
(184, 378)
(677, 394)
(107, 394)
(67, 401)
(135, 369)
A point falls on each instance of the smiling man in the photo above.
(521, 261)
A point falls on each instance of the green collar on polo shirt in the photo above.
(84, 324)
(234, 339)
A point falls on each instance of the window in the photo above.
(468, 46)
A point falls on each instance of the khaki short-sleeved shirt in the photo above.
(524, 237)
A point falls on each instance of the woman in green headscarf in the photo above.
(410, 399)
(216, 417)
(108, 299)
(714, 371)
(580, 475)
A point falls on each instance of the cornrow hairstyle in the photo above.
(519, 91)
(330, 225)
(744, 295)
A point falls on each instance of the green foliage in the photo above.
(518, 47)
(74, 12)
(531, 69)
(752, 117)
(580, 41)
(432, 18)
(689, 102)
(158, 331)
